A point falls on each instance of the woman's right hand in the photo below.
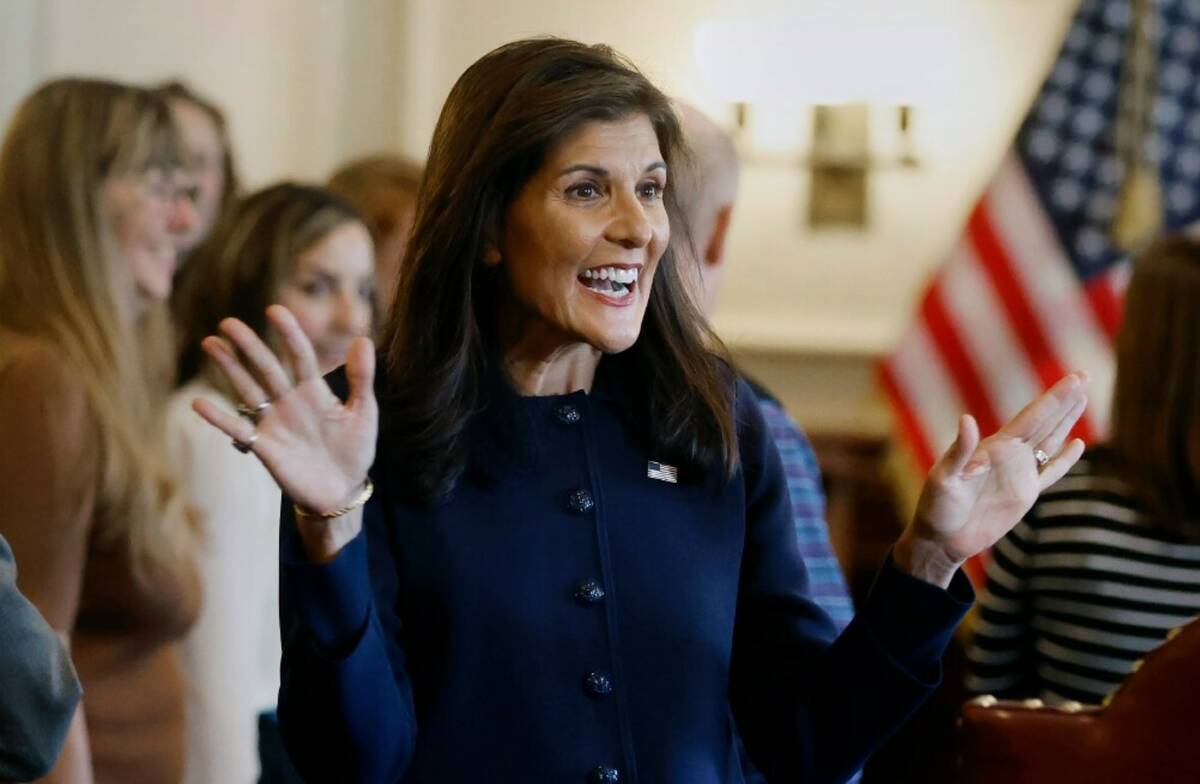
(317, 448)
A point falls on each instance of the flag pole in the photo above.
(1139, 215)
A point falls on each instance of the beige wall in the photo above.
(305, 82)
(19, 49)
(309, 82)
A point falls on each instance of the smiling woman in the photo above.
(579, 236)
(89, 216)
(298, 245)
(580, 563)
(566, 150)
(306, 248)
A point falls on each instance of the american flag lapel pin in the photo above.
(662, 472)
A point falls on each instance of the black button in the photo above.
(603, 774)
(589, 592)
(580, 501)
(597, 684)
(568, 414)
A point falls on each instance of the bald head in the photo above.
(706, 187)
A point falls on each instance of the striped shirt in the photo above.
(1077, 592)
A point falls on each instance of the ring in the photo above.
(247, 445)
(1041, 457)
(253, 413)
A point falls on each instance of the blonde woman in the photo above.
(305, 248)
(89, 216)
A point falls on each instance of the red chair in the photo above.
(1147, 732)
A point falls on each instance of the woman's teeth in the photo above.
(611, 279)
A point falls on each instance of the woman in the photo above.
(88, 221)
(305, 248)
(208, 158)
(1108, 561)
(579, 564)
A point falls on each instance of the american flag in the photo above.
(662, 472)
(1033, 289)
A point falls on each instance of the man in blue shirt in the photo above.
(706, 190)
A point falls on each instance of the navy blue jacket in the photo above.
(564, 617)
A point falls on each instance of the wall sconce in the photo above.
(847, 82)
(838, 165)
(840, 157)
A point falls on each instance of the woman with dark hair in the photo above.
(305, 248)
(579, 563)
(1107, 562)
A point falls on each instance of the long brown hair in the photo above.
(251, 252)
(1156, 402)
(502, 117)
(62, 282)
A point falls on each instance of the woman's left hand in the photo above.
(979, 490)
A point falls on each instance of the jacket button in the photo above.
(580, 501)
(597, 684)
(603, 774)
(568, 414)
(589, 592)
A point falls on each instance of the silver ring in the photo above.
(247, 445)
(1041, 457)
(253, 413)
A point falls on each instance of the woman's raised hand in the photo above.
(981, 489)
(317, 448)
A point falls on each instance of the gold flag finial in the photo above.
(1139, 209)
(1139, 215)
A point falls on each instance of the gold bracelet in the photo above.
(360, 499)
